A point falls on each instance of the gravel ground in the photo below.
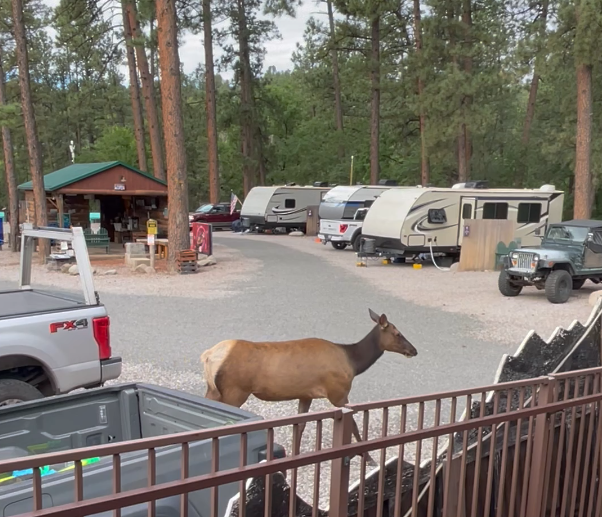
(279, 287)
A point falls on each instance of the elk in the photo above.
(303, 369)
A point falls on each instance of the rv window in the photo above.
(437, 216)
(467, 212)
(495, 211)
(289, 203)
(528, 213)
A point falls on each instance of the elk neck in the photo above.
(364, 353)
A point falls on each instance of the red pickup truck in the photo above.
(217, 215)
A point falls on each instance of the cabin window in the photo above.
(467, 211)
(437, 216)
(289, 203)
(528, 213)
(495, 211)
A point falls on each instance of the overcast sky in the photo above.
(279, 52)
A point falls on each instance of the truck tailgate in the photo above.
(330, 227)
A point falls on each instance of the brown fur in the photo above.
(302, 369)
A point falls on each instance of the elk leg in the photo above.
(234, 397)
(355, 430)
(304, 405)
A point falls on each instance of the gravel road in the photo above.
(279, 287)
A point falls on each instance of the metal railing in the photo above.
(525, 448)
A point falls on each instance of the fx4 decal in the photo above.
(68, 325)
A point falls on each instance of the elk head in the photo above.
(390, 339)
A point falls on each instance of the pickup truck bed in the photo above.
(23, 303)
(116, 414)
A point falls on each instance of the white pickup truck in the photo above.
(50, 342)
(343, 232)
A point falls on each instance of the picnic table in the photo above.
(161, 246)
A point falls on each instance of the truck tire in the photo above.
(559, 285)
(338, 245)
(506, 287)
(356, 241)
(578, 284)
(13, 391)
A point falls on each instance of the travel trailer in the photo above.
(280, 207)
(342, 211)
(409, 221)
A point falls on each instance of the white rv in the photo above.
(406, 222)
(342, 212)
(280, 207)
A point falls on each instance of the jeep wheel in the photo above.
(338, 245)
(13, 391)
(506, 287)
(578, 284)
(559, 285)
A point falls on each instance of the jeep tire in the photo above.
(13, 391)
(338, 245)
(559, 286)
(506, 287)
(578, 283)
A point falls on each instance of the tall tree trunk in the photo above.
(583, 173)
(464, 145)
(210, 106)
(173, 124)
(338, 105)
(246, 100)
(530, 115)
(375, 108)
(134, 92)
(31, 130)
(148, 89)
(424, 157)
(9, 168)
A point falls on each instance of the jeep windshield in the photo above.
(566, 235)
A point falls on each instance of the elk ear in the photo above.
(382, 321)
(373, 316)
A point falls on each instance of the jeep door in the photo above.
(592, 258)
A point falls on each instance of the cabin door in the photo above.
(467, 211)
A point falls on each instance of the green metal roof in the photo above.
(78, 171)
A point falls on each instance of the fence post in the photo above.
(339, 474)
(537, 471)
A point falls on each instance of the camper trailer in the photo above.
(342, 212)
(280, 207)
(409, 221)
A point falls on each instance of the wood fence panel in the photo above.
(478, 247)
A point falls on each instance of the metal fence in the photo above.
(526, 448)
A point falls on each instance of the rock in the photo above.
(110, 272)
(93, 270)
(296, 234)
(74, 270)
(454, 267)
(139, 261)
(65, 268)
(206, 260)
(149, 270)
(140, 268)
(594, 297)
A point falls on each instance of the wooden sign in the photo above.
(119, 186)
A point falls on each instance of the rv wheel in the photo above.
(338, 245)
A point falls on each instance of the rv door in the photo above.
(469, 205)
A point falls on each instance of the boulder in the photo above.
(140, 268)
(296, 234)
(594, 297)
(73, 270)
(110, 272)
(149, 270)
(206, 260)
(65, 268)
(454, 267)
(139, 261)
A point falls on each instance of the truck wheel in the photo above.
(355, 243)
(506, 287)
(578, 284)
(13, 391)
(338, 245)
(559, 285)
